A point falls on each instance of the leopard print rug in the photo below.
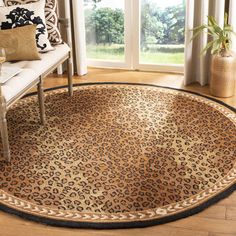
(117, 155)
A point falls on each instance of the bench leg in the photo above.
(41, 102)
(4, 131)
(70, 79)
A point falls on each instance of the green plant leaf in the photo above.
(225, 20)
(220, 37)
(197, 31)
(209, 45)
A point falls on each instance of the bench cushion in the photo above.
(48, 60)
(18, 83)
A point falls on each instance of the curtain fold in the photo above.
(79, 44)
(73, 10)
(232, 21)
(197, 66)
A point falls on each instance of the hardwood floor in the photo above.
(218, 220)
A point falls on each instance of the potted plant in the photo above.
(223, 70)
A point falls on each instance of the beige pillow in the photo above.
(20, 43)
(27, 14)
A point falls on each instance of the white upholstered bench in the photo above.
(31, 75)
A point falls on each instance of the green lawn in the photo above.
(106, 52)
(162, 58)
(154, 55)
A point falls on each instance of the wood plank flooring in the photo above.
(218, 220)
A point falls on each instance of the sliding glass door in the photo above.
(106, 33)
(135, 34)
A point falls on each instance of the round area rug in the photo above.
(118, 156)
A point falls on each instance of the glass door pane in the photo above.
(104, 23)
(162, 30)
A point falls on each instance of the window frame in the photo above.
(132, 20)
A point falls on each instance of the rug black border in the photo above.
(125, 225)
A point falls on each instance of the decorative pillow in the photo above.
(27, 14)
(1, 3)
(54, 34)
(17, 45)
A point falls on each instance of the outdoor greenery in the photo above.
(159, 27)
(104, 26)
(162, 26)
(167, 53)
(94, 2)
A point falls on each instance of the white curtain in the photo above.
(79, 37)
(232, 20)
(197, 66)
(73, 10)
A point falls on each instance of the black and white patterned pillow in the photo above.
(51, 16)
(27, 14)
